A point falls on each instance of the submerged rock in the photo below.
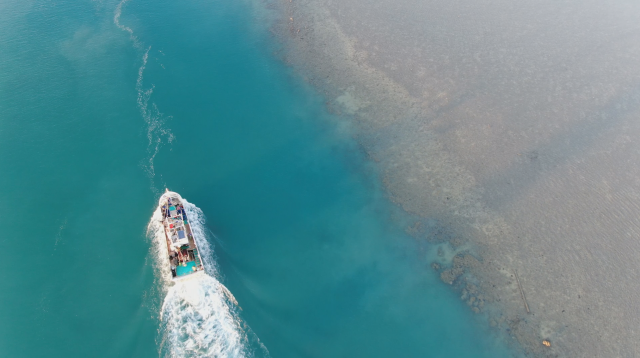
(465, 260)
(450, 275)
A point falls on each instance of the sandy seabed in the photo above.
(511, 130)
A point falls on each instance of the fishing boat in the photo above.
(182, 250)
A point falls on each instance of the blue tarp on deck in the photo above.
(185, 270)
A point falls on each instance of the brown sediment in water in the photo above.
(514, 126)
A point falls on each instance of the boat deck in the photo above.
(181, 246)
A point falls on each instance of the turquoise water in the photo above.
(95, 121)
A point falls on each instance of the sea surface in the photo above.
(104, 104)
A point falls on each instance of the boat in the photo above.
(184, 257)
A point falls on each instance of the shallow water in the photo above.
(97, 119)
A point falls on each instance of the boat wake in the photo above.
(200, 317)
(158, 134)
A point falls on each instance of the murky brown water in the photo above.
(516, 125)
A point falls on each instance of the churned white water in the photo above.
(200, 317)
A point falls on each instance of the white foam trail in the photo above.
(116, 20)
(152, 114)
(157, 133)
(59, 235)
(200, 316)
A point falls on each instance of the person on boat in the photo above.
(183, 257)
